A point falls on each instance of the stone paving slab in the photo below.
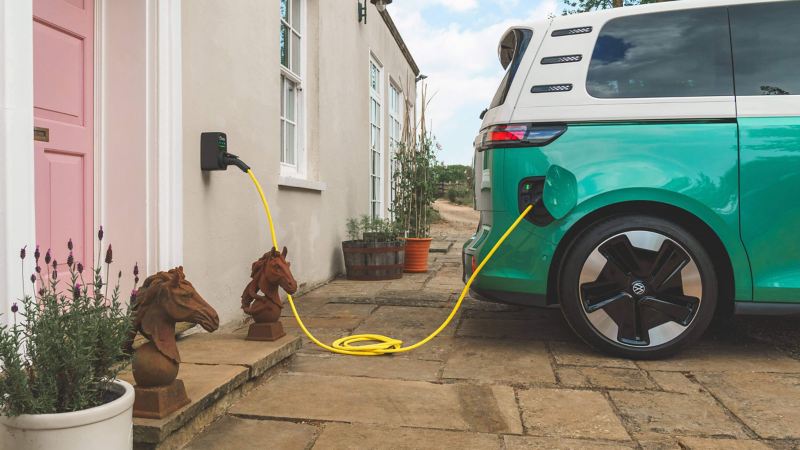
(567, 413)
(722, 444)
(767, 403)
(489, 360)
(319, 323)
(406, 321)
(388, 367)
(725, 357)
(387, 402)
(529, 329)
(233, 349)
(605, 378)
(439, 246)
(243, 434)
(331, 310)
(540, 443)
(577, 353)
(204, 385)
(675, 382)
(341, 436)
(654, 413)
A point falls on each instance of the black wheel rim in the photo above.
(640, 288)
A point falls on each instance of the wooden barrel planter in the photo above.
(374, 260)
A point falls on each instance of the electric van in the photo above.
(660, 147)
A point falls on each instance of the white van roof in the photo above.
(577, 104)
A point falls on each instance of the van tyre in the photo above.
(637, 286)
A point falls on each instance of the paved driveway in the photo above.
(513, 378)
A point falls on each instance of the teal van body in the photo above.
(699, 175)
(660, 147)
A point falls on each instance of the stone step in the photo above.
(217, 369)
(441, 246)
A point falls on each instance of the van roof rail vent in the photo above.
(542, 88)
(561, 59)
(571, 31)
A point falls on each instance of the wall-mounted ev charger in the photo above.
(214, 153)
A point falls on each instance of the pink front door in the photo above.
(63, 99)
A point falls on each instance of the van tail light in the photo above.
(519, 135)
(474, 263)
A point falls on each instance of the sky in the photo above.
(454, 43)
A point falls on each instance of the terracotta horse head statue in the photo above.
(164, 299)
(267, 274)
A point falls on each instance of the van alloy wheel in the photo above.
(637, 286)
(640, 288)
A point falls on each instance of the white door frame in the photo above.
(164, 138)
(17, 199)
(170, 135)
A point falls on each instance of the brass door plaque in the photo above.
(41, 134)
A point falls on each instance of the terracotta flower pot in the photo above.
(417, 254)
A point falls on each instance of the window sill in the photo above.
(301, 184)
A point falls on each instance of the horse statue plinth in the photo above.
(164, 299)
(267, 274)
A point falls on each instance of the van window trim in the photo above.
(511, 73)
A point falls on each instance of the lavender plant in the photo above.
(64, 344)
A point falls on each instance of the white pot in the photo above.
(104, 427)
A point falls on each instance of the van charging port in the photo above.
(530, 192)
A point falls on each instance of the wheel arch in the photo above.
(717, 249)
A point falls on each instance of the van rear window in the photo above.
(766, 48)
(669, 54)
(512, 48)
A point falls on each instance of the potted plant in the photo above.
(374, 251)
(415, 191)
(60, 355)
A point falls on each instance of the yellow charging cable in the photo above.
(351, 345)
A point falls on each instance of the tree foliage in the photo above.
(453, 173)
(579, 6)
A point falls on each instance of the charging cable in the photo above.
(357, 344)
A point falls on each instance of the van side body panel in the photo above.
(770, 178)
(692, 166)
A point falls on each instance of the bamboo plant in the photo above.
(413, 177)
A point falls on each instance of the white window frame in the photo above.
(376, 179)
(397, 103)
(300, 167)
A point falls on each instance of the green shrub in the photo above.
(371, 229)
(453, 195)
(65, 343)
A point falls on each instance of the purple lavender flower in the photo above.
(55, 264)
(38, 269)
(100, 233)
(55, 274)
(33, 278)
(22, 252)
(14, 308)
(136, 269)
(76, 291)
(36, 254)
(47, 257)
(69, 245)
(80, 268)
(108, 255)
(70, 260)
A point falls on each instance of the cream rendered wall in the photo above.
(231, 83)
